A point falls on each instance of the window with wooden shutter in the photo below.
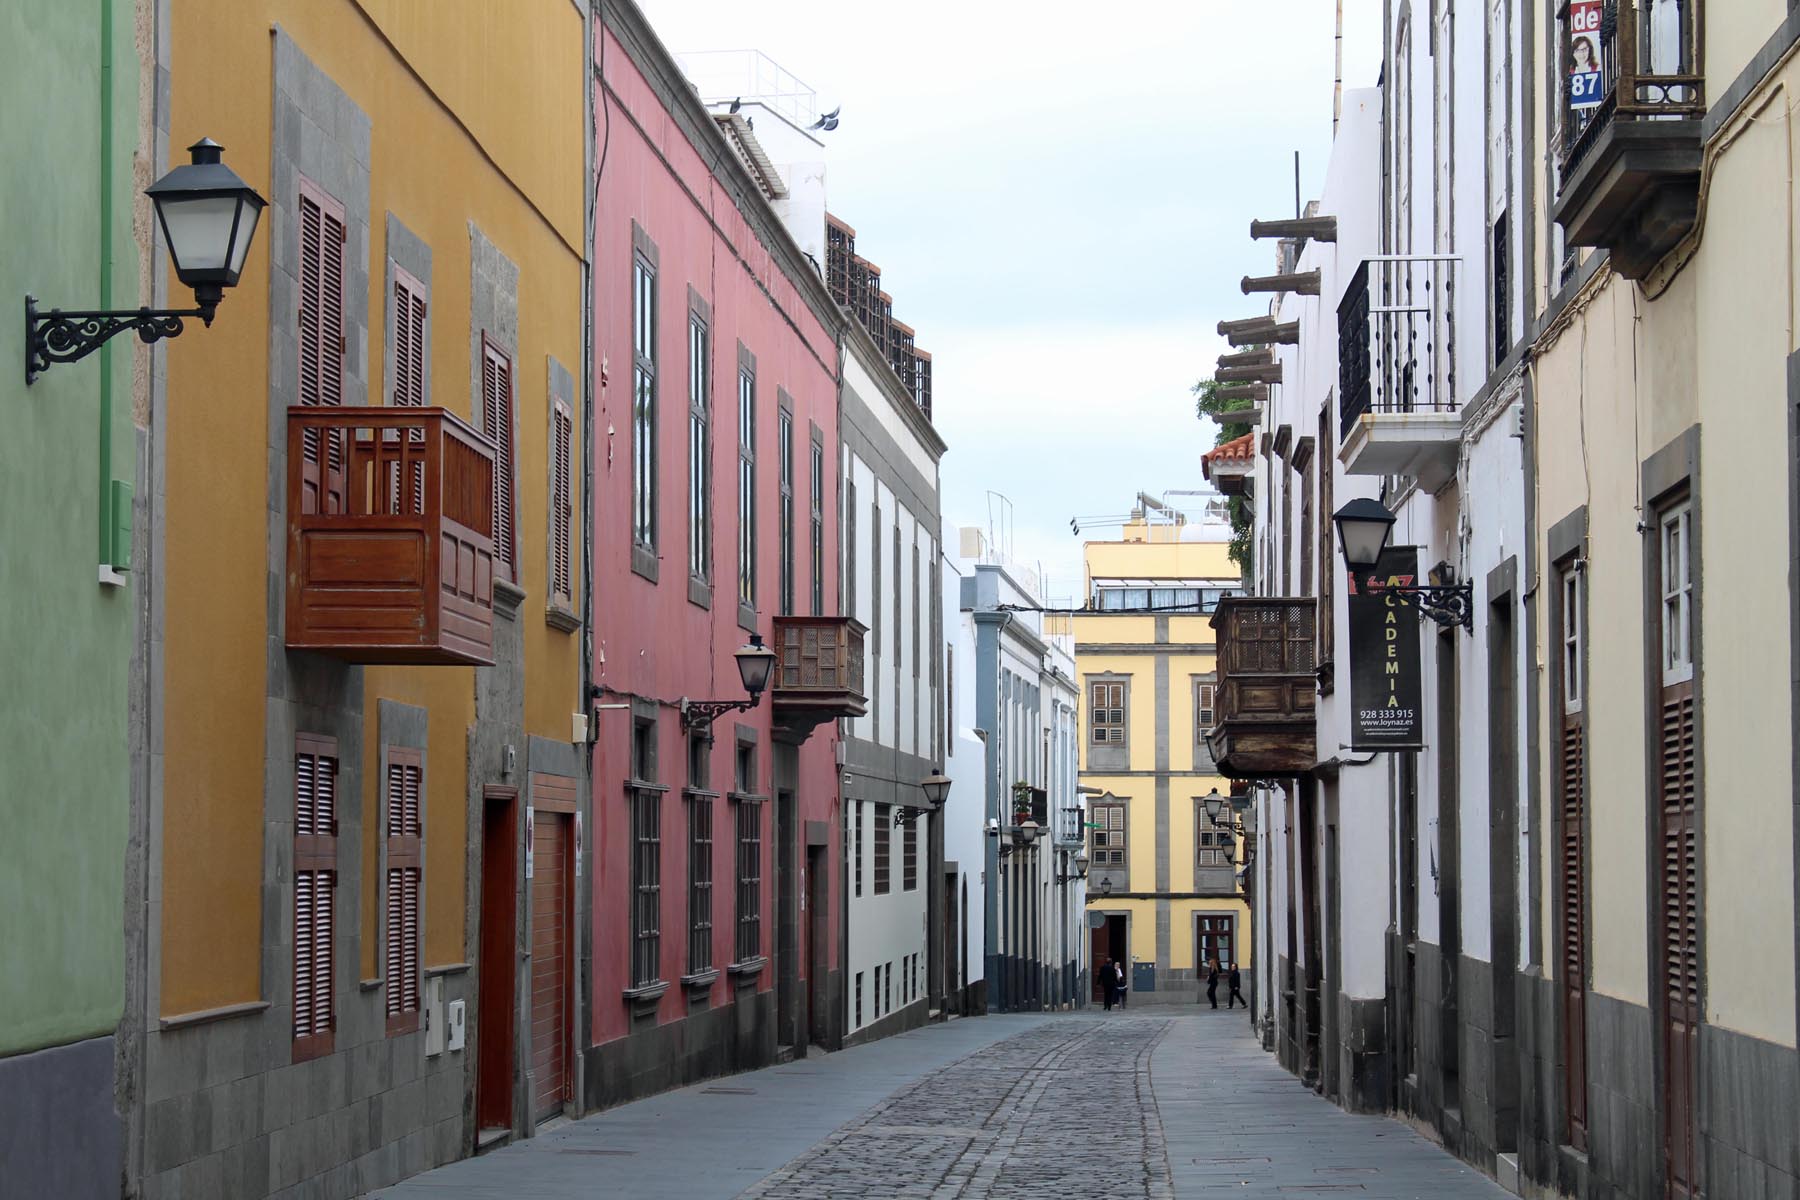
(1106, 713)
(322, 346)
(315, 893)
(1106, 830)
(403, 828)
(562, 502)
(497, 425)
(407, 388)
(1678, 800)
(1572, 860)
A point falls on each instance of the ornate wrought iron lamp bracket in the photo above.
(700, 714)
(66, 337)
(1446, 603)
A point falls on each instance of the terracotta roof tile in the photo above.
(1238, 452)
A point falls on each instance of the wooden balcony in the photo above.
(818, 673)
(390, 555)
(1630, 132)
(1263, 706)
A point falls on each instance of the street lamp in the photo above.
(1081, 869)
(1024, 833)
(208, 217)
(755, 663)
(1363, 528)
(1106, 887)
(936, 787)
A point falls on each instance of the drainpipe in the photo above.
(105, 546)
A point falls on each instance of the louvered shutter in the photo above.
(321, 319)
(405, 831)
(408, 384)
(315, 884)
(562, 503)
(1573, 926)
(496, 423)
(1680, 932)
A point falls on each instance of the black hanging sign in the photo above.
(1386, 694)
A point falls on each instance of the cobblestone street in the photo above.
(1152, 1104)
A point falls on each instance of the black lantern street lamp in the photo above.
(1080, 871)
(755, 663)
(936, 787)
(1106, 887)
(208, 217)
(1024, 833)
(1363, 528)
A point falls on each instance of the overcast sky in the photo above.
(1059, 198)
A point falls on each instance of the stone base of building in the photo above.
(910, 1016)
(59, 1132)
(738, 1035)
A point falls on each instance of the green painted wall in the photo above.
(65, 639)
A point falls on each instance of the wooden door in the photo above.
(1214, 941)
(551, 913)
(495, 1031)
(1099, 952)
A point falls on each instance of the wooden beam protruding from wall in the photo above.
(1319, 229)
(1247, 358)
(1248, 325)
(1269, 373)
(1256, 393)
(1265, 334)
(1301, 283)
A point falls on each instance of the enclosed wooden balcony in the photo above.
(1631, 109)
(390, 554)
(818, 672)
(1263, 705)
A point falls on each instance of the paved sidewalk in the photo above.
(1154, 1105)
(1236, 1124)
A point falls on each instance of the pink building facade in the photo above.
(716, 849)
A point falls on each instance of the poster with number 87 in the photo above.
(1585, 90)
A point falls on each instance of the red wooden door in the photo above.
(494, 1028)
(552, 872)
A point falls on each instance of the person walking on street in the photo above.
(1124, 984)
(1237, 981)
(1212, 982)
(1107, 978)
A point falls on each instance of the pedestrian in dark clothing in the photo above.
(1107, 983)
(1212, 982)
(1237, 981)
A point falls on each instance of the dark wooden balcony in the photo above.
(390, 554)
(818, 672)
(1630, 130)
(1263, 705)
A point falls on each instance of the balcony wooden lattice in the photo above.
(1263, 705)
(390, 555)
(818, 672)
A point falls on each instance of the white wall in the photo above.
(965, 842)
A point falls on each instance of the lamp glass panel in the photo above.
(246, 232)
(754, 666)
(199, 230)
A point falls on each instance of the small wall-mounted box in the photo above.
(457, 1030)
(434, 1016)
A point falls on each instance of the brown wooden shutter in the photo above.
(1680, 933)
(496, 423)
(562, 504)
(408, 385)
(321, 319)
(404, 831)
(315, 885)
(1573, 927)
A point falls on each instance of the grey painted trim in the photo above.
(1568, 536)
(494, 313)
(403, 725)
(1674, 466)
(861, 431)
(1102, 773)
(208, 1015)
(1534, 673)
(1100, 758)
(411, 254)
(1738, 92)
(1503, 580)
(552, 758)
(1095, 900)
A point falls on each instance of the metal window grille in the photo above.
(646, 885)
(749, 880)
(700, 883)
(883, 834)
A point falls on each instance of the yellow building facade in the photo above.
(318, 820)
(1162, 877)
